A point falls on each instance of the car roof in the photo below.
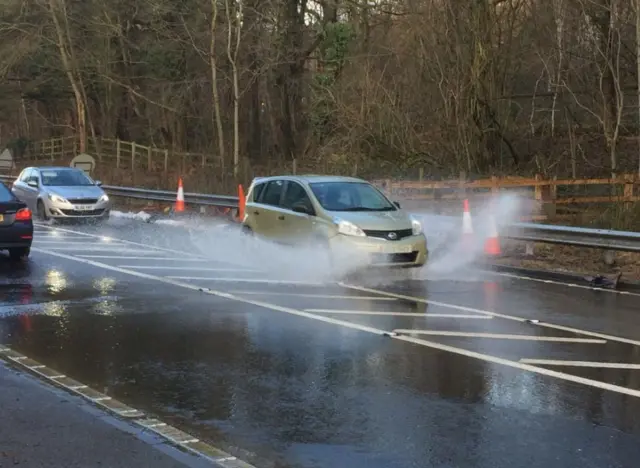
(55, 168)
(310, 178)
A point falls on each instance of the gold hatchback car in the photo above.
(349, 216)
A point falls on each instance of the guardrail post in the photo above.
(609, 257)
(529, 249)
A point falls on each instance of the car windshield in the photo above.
(350, 196)
(65, 178)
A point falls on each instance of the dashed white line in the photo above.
(493, 314)
(499, 336)
(315, 296)
(400, 314)
(247, 280)
(595, 364)
(190, 268)
(169, 259)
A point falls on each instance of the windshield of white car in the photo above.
(350, 196)
(65, 178)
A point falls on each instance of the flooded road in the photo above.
(288, 375)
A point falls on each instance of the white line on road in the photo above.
(500, 336)
(191, 268)
(494, 314)
(399, 314)
(315, 296)
(520, 366)
(248, 280)
(596, 364)
(115, 257)
(561, 283)
(354, 326)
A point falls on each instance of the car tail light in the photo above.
(23, 215)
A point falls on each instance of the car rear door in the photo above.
(20, 184)
(267, 211)
(297, 227)
(30, 194)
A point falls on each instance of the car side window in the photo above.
(33, 176)
(272, 193)
(24, 177)
(258, 191)
(295, 194)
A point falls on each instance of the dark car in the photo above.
(16, 225)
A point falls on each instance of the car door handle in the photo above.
(281, 217)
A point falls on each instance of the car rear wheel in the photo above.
(41, 211)
(19, 253)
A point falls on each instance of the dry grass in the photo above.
(561, 258)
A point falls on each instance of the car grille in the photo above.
(82, 213)
(83, 201)
(395, 258)
(401, 234)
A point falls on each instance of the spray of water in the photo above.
(225, 243)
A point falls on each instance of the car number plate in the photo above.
(390, 248)
(84, 207)
(1, 218)
(399, 249)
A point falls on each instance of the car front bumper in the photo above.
(70, 211)
(409, 252)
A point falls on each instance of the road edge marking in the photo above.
(121, 410)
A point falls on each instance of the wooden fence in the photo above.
(129, 163)
(573, 195)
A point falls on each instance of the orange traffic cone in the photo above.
(467, 226)
(241, 203)
(180, 197)
(492, 244)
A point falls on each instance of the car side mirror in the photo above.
(33, 183)
(302, 208)
(99, 183)
(397, 204)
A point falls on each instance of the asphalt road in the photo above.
(251, 350)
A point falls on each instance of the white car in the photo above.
(61, 193)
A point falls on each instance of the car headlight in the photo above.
(57, 198)
(347, 228)
(104, 198)
(416, 227)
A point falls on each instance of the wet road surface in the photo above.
(282, 370)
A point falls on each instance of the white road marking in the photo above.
(87, 247)
(315, 296)
(67, 242)
(116, 257)
(354, 326)
(399, 314)
(137, 244)
(191, 268)
(494, 314)
(500, 336)
(596, 364)
(561, 283)
(247, 280)
(520, 366)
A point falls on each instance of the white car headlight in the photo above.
(416, 227)
(347, 228)
(104, 198)
(57, 198)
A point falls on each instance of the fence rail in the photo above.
(624, 241)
